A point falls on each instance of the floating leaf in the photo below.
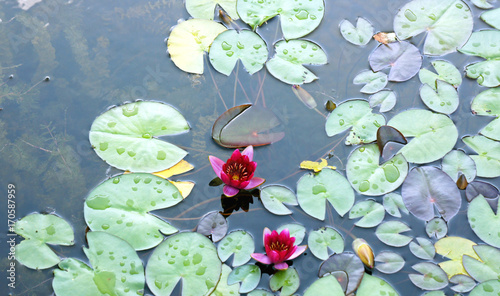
(125, 136)
(260, 292)
(369, 178)
(487, 267)
(389, 262)
(274, 196)
(456, 162)
(204, 9)
(325, 286)
(297, 18)
(484, 4)
(189, 256)
(240, 243)
(403, 58)
(304, 96)
(374, 81)
(463, 283)
(231, 46)
(484, 222)
(348, 263)
(393, 203)
(486, 104)
(287, 63)
(357, 115)
(213, 224)
(319, 241)
(389, 233)
(359, 35)
(296, 230)
(448, 24)
(248, 275)
(443, 98)
(39, 230)
(488, 160)
(424, 249)
(315, 166)
(489, 288)
(437, 228)
(431, 278)
(447, 72)
(223, 288)
(481, 188)
(434, 293)
(372, 213)
(372, 285)
(454, 248)
(492, 18)
(327, 185)
(180, 168)
(385, 98)
(386, 134)
(287, 280)
(189, 41)
(116, 269)
(434, 134)
(122, 206)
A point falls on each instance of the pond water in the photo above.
(103, 53)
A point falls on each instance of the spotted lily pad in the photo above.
(446, 72)
(463, 283)
(488, 160)
(448, 24)
(374, 81)
(348, 263)
(492, 18)
(403, 58)
(240, 243)
(126, 136)
(393, 204)
(487, 268)
(454, 248)
(389, 262)
(187, 256)
(325, 286)
(116, 269)
(368, 177)
(287, 63)
(423, 249)
(319, 241)
(223, 288)
(484, 4)
(287, 280)
(487, 104)
(385, 98)
(489, 288)
(204, 9)
(327, 185)
(248, 275)
(431, 278)
(437, 228)
(456, 162)
(484, 222)
(372, 213)
(274, 196)
(443, 99)
(359, 35)
(372, 285)
(39, 230)
(213, 224)
(389, 233)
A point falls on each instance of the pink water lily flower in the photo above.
(237, 171)
(279, 248)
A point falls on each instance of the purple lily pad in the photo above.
(213, 224)
(485, 189)
(403, 58)
(348, 263)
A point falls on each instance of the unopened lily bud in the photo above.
(364, 252)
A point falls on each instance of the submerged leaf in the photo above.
(374, 81)
(359, 35)
(487, 103)
(484, 222)
(403, 58)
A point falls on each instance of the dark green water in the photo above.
(103, 53)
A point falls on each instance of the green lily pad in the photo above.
(260, 292)
(492, 18)
(248, 275)
(448, 24)
(116, 269)
(433, 134)
(393, 204)
(487, 104)
(240, 243)
(372, 213)
(287, 280)
(434, 293)
(486, 72)
(372, 285)
(443, 100)
(484, 4)
(456, 162)
(223, 288)
(432, 277)
(484, 222)
(296, 230)
(446, 72)
(357, 115)
(374, 81)
(297, 18)
(325, 286)
(437, 228)
(232, 45)
(489, 288)
(345, 266)
(319, 241)
(204, 9)
(287, 63)
(39, 230)
(122, 206)
(389, 262)
(359, 35)
(488, 268)
(187, 256)
(488, 160)
(328, 185)
(368, 177)
(389, 233)
(125, 136)
(274, 196)
(424, 249)
(385, 98)
(463, 283)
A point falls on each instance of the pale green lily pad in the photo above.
(385, 98)
(374, 81)
(389, 233)
(484, 44)
(446, 72)
(223, 289)
(487, 73)
(424, 249)
(372, 285)
(325, 286)
(357, 115)
(456, 162)
(319, 241)
(359, 35)
(204, 9)
(484, 4)
(297, 18)
(389, 262)
(372, 213)
(116, 269)
(248, 275)
(126, 136)
(122, 206)
(483, 221)
(492, 18)
(240, 243)
(260, 292)
(434, 293)
(231, 46)
(393, 204)
(463, 283)
(489, 288)
(433, 134)
(487, 103)
(447, 23)
(486, 269)
(443, 100)
(368, 177)
(437, 228)
(287, 280)
(432, 277)
(296, 230)
(287, 63)
(488, 160)
(328, 185)
(187, 256)
(39, 230)
(273, 198)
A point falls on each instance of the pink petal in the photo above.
(281, 266)
(255, 182)
(285, 234)
(248, 152)
(236, 154)
(216, 164)
(230, 191)
(225, 178)
(274, 256)
(267, 232)
(262, 258)
(298, 251)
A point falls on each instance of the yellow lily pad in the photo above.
(180, 168)
(184, 187)
(315, 165)
(454, 248)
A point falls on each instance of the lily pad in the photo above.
(325, 286)
(437, 228)
(454, 248)
(393, 204)
(187, 256)
(489, 288)
(433, 134)
(274, 196)
(486, 72)
(319, 241)
(296, 230)
(387, 134)
(359, 35)
(287, 63)
(448, 24)
(213, 224)
(484, 4)
(487, 104)
(204, 9)
(481, 188)
(39, 230)
(484, 222)
(424, 249)
(223, 288)
(297, 18)
(116, 269)
(432, 277)
(456, 162)
(189, 41)
(372, 285)
(348, 263)
(357, 115)
(488, 160)
(260, 292)
(463, 283)
(368, 177)
(372, 213)
(248, 275)
(403, 58)
(389, 233)
(126, 136)
(389, 262)
(327, 185)
(446, 72)
(374, 81)
(122, 206)
(492, 18)
(232, 45)
(287, 280)
(487, 268)
(443, 100)
(386, 99)
(240, 243)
